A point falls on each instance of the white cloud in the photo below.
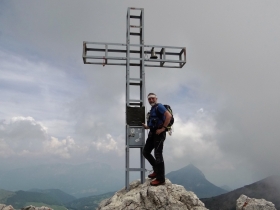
(195, 137)
(5, 150)
(29, 120)
(62, 148)
(109, 144)
(21, 135)
(25, 137)
(196, 140)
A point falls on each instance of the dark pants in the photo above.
(155, 142)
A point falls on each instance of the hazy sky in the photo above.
(226, 99)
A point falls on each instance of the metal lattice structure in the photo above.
(134, 55)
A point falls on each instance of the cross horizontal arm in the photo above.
(176, 56)
(132, 45)
(131, 51)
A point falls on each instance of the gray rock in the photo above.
(145, 197)
(4, 207)
(246, 203)
(36, 208)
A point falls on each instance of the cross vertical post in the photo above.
(169, 57)
(135, 108)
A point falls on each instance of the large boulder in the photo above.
(145, 197)
(246, 203)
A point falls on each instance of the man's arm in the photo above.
(168, 117)
(145, 126)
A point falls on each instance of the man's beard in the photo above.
(152, 104)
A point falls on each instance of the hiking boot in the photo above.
(153, 175)
(157, 182)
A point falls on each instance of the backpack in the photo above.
(168, 108)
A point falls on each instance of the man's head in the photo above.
(152, 98)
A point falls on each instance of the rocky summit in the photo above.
(246, 203)
(145, 197)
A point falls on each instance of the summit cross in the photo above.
(135, 56)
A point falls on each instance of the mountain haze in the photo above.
(59, 195)
(77, 180)
(5, 194)
(22, 198)
(90, 202)
(194, 180)
(53, 198)
(268, 189)
(190, 177)
(227, 188)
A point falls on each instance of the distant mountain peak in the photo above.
(193, 179)
(191, 165)
(191, 170)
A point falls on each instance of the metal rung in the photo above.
(135, 169)
(135, 34)
(134, 64)
(135, 26)
(135, 146)
(134, 8)
(135, 16)
(136, 79)
(135, 100)
(135, 104)
(134, 83)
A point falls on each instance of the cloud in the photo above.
(21, 134)
(194, 140)
(36, 89)
(197, 140)
(109, 144)
(25, 137)
(62, 148)
(5, 150)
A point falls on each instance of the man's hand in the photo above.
(145, 126)
(159, 131)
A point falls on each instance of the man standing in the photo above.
(157, 123)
